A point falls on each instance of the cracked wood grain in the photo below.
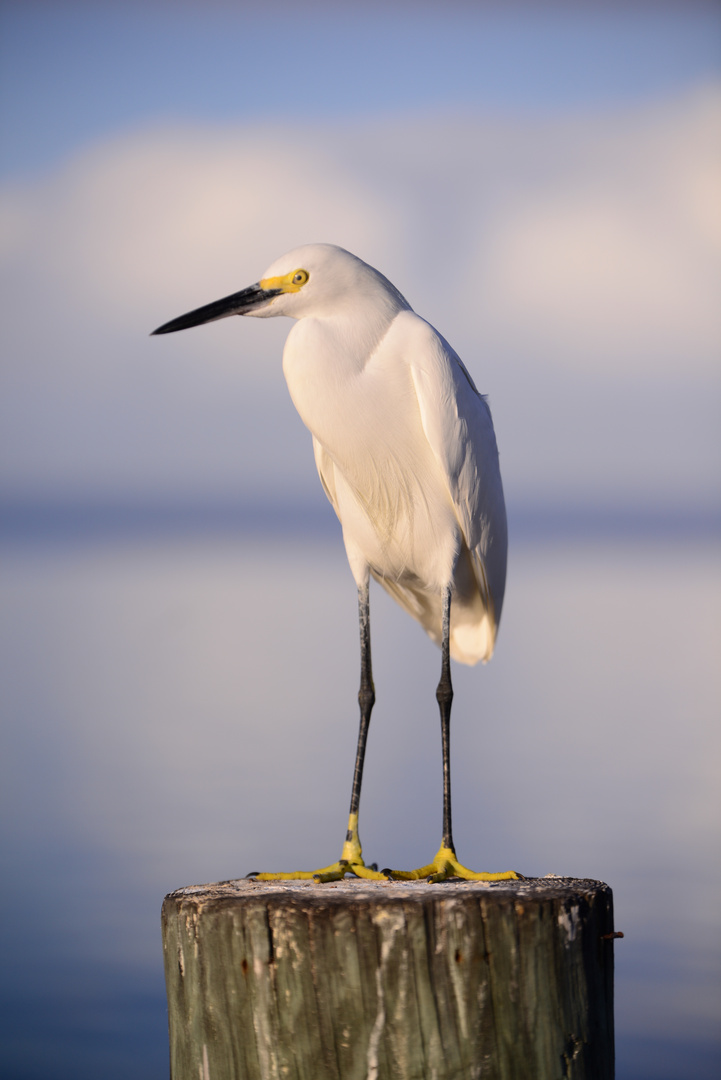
(398, 981)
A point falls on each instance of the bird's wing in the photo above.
(457, 423)
(326, 472)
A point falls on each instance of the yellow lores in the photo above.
(292, 282)
(406, 453)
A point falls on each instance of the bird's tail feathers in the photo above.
(473, 628)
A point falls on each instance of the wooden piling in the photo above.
(390, 981)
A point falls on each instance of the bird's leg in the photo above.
(366, 700)
(445, 864)
(444, 697)
(351, 859)
(352, 855)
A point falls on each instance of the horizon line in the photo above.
(50, 520)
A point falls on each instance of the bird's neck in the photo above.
(336, 347)
(324, 361)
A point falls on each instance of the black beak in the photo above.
(239, 303)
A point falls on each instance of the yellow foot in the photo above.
(335, 872)
(445, 865)
(350, 862)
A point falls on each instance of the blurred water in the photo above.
(170, 705)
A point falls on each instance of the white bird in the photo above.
(406, 452)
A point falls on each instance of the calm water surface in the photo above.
(170, 707)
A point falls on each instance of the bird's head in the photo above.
(318, 280)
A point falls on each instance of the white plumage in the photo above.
(404, 444)
(406, 452)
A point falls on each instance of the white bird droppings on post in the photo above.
(390, 923)
(569, 921)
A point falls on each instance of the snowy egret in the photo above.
(406, 452)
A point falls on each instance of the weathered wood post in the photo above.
(397, 981)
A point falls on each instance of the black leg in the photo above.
(366, 698)
(444, 697)
(351, 859)
(445, 864)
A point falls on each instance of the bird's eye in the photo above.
(300, 277)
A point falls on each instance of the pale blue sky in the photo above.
(73, 72)
(584, 132)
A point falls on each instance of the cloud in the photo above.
(574, 262)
